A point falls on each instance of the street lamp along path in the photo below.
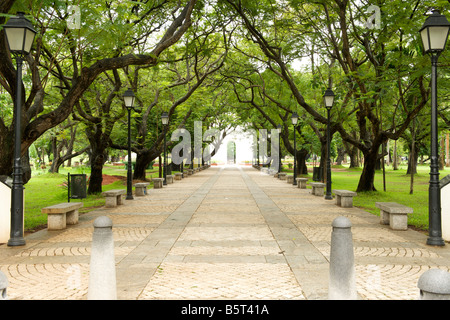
(328, 99)
(20, 36)
(128, 98)
(434, 34)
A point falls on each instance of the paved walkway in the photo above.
(223, 233)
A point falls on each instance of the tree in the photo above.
(75, 58)
(369, 61)
(65, 138)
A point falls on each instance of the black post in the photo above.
(182, 164)
(434, 207)
(68, 187)
(129, 171)
(165, 159)
(295, 159)
(328, 193)
(279, 152)
(16, 233)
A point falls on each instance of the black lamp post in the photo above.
(328, 99)
(294, 119)
(128, 98)
(434, 34)
(165, 121)
(279, 147)
(269, 147)
(20, 37)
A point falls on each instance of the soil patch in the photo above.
(107, 179)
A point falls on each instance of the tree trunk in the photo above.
(352, 152)
(412, 160)
(96, 179)
(395, 160)
(323, 157)
(98, 145)
(366, 181)
(143, 159)
(301, 156)
(341, 155)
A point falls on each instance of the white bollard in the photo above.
(342, 285)
(102, 270)
(3, 286)
(434, 284)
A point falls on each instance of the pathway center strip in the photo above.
(309, 266)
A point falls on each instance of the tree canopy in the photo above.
(205, 60)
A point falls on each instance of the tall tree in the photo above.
(76, 57)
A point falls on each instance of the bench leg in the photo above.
(56, 221)
(338, 200)
(111, 202)
(384, 217)
(398, 221)
(318, 192)
(346, 202)
(140, 191)
(119, 199)
(72, 217)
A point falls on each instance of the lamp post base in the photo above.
(435, 241)
(328, 197)
(15, 242)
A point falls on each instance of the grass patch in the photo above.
(397, 190)
(46, 189)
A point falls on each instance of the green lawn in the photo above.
(45, 189)
(397, 190)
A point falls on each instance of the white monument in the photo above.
(5, 212)
(445, 207)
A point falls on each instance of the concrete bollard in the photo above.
(102, 269)
(3, 286)
(342, 282)
(434, 284)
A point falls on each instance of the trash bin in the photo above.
(317, 174)
(77, 186)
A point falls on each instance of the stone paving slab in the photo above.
(223, 233)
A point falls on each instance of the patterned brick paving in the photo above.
(223, 233)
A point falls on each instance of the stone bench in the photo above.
(60, 215)
(317, 188)
(169, 178)
(344, 198)
(301, 183)
(113, 198)
(141, 188)
(282, 176)
(189, 172)
(290, 179)
(178, 176)
(394, 214)
(157, 183)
